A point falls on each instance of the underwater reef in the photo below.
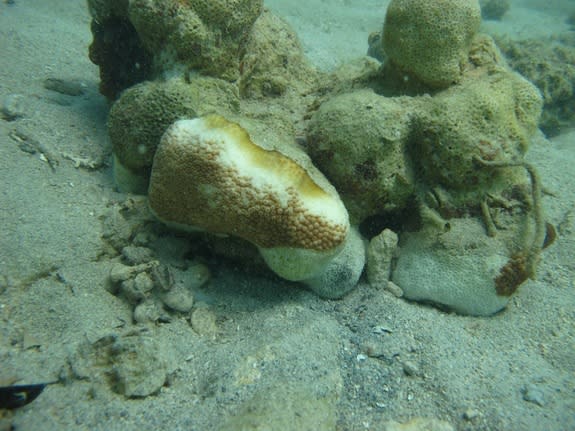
(550, 64)
(221, 121)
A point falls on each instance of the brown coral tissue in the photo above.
(514, 273)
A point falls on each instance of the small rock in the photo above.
(374, 350)
(203, 322)
(417, 424)
(137, 289)
(394, 289)
(380, 252)
(179, 298)
(163, 277)
(66, 87)
(533, 394)
(120, 272)
(410, 368)
(197, 275)
(148, 311)
(470, 414)
(127, 289)
(13, 107)
(143, 282)
(381, 330)
(137, 255)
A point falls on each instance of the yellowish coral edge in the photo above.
(288, 171)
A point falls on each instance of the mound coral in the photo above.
(143, 113)
(550, 65)
(430, 40)
(430, 143)
(209, 174)
(205, 36)
(492, 118)
(357, 139)
(435, 146)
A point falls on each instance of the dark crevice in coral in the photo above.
(118, 51)
(405, 219)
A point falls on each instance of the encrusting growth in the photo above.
(522, 264)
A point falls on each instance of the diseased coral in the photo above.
(142, 114)
(209, 174)
(430, 143)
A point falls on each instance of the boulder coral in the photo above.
(430, 40)
(209, 174)
(205, 36)
(439, 159)
(492, 118)
(430, 144)
(357, 139)
(461, 268)
(274, 62)
(141, 115)
(550, 65)
(160, 38)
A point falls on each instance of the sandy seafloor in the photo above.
(512, 371)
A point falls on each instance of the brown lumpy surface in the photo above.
(191, 186)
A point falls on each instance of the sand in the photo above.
(254, 344)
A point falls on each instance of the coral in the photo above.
(261, 195)
(273, 61)
(456, 155)
(492, 118)
(431, 143)
(433, 261)
(235, 16)
(209, 174)
(179, 35)
(456, 269)
(429, 40)
(122, 59)
(142, 114)
(550, 65)
(380, 253)
(357, 140)
(339, 275)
